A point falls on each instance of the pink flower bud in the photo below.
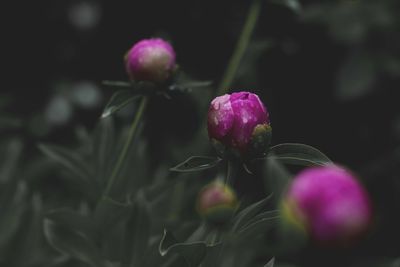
(217, 202)
(233, 119)
(328, 203)
(150, 60)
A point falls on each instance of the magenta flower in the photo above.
(232, 119)
(329, 203)
(217, 202)
(150, 60)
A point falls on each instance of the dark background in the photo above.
(304, 74)
(328, 74)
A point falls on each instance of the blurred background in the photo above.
(328, 71)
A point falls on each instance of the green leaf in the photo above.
(298, 154)
(119, 100)
(244, 216)
(13, 206)
(271, 263)
(75, 244)
(29, 238)
(192, 252)
(293, 5)
(108, 212)
(118, 84)
(72, 220)
(10, 155)
(190, 85)
(138, 231)
(103, 148)
(276, 178)
(196, 163)
(69, 159)
(264, 215)
(257, 228)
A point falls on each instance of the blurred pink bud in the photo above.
(217, 202)
(329, 203)
(150, 60)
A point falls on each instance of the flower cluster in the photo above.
(328, 203)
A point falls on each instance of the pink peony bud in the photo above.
(217, 202)
(328, 203)
(150, 60)
(233, 120)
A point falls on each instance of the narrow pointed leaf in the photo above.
(244, 216)
(68, 159)
(190, 85)
(72, 220)
(271, 263)
(103, 148)
(257, 228)
(138, 231)
(276, 178)
(298, 154)
(72, 243)
(293, 5)
(119, 100)
(192, 252)
(13, 206)
(118, 84)
(108, 212)
(264, 215)
(196, 163)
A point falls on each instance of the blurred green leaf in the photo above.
(73, 220)
(119, 100)
(270, 263)
(244, 216)
(108, 212)
(264, 215)
(257, 228)
(138, 231)
(196, 163)
(192, 252)
(199, 234)
(276, 178)
(75, 244)
(118, 84)
(10, 154)
(184, 86)
(103, 148)
(29, 247)
(67, 158)
(13, 206)
(298, 154)
(293, 5)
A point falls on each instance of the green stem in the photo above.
(125, 149)
(248, 28)
(230, 173)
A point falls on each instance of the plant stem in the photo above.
(241, 45)
(125, 149)
(230, 172)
